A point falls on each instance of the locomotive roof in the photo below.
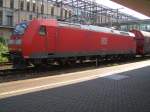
(96, 28)
(54, 22)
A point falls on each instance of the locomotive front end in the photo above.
(15, 44)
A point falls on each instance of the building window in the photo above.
(61, 14)
(65, 13)
(70, 14)
(52, 11)
(1, 3)
(42, 8)
(11, 4)
(9, 20)
(30, 17)
(22, 5)
(34, 6)
(148, 27)
(37, 10)
(1, 17)
(28, 6)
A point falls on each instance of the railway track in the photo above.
(5, 63)
(32, 72)
(12, 71)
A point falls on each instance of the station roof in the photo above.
(141, 6)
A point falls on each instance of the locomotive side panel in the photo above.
(70, 41)
(51, 39)
(93, 42)
(121, 44)
(78, 42)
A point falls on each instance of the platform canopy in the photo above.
(142, 6)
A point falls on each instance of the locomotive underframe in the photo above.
(44, 58)
(64, 58)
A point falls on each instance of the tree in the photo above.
(2, 40)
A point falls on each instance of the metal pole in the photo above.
(96, 62)
(19, 11)
(42, 8)
(117, 15)
(47, 9)
(77, 11)
(36, 8)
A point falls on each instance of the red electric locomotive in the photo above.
(48, 40)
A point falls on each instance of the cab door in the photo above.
(42, 38)
(38, 42)
(51, 39)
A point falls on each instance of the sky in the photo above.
(122, 8)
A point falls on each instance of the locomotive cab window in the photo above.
(42, 30)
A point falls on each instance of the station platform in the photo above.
(123, 91)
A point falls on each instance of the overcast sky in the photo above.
(121, 8)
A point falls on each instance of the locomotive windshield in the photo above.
(20, 28)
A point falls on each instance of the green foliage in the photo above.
(2, 40)
(3, 50)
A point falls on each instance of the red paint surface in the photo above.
(70, 40)
(142, 42)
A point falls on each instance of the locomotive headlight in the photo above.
(10, 42)
(18, 42)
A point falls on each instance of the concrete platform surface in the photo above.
(128, 91)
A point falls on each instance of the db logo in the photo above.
(104, 41)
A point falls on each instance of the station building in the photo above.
(137, 24)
